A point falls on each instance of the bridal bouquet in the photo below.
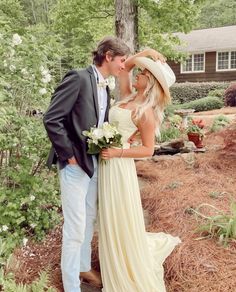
(105, 136)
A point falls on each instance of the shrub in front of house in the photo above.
(230, 95)
(202, 104)
(188, 91)
(217, 92)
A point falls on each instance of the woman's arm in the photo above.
(125, 77)
(146, 127)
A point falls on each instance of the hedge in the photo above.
(202, 104)
(188, 91)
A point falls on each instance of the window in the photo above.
(194, 64)
(226, 60)
(233, 60)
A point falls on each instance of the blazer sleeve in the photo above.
(61, 105)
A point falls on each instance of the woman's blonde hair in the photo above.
(155, 99)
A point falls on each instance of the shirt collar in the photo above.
(98, 75)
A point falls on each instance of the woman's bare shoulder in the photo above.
(149, 114)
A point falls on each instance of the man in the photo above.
(79, 102)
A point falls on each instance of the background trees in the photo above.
(217, 13)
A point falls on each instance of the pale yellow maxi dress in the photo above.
(130, 258)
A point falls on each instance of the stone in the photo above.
(189, 146)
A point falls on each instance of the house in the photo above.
(212, 55)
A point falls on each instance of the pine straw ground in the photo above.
(170, 186)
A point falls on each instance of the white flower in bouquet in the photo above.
(97, 134)
(105, 136)
(109, 130)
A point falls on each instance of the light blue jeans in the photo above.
(79, 206)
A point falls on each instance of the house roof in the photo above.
(208, 40)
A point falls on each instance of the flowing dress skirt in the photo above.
(130, 258)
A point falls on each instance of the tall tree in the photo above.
(12, 15)
(80, 25)
(37, 11)
(126, 22)
(152, 22)
(217, 13)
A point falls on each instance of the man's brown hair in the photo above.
(115, 46)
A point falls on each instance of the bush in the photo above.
(217, 92)
(230, 95)
(219, 122)
(29, 200)
(204, 104)
(220, 225)
(188, 91)
(168, 134)
(170, 129)
(8, 283)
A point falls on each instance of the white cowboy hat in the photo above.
(161, 71)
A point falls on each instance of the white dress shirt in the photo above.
(102, 95)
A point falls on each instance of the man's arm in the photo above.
(61, 105)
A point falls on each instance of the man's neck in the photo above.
(103, 71)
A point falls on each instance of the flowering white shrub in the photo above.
(23, 141)
(42, 91)
(16, 40)
(4, 228)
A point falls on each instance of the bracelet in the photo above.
(121, 153)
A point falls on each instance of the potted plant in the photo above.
(195, 132)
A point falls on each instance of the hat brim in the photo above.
(157, 71)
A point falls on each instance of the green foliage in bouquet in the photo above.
(106, 136)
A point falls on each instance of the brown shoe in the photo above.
(91, 277)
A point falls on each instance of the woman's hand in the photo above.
(108, 153)
(134, 137)
(156, 55)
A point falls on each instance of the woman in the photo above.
(130, 258)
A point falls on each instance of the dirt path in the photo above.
(209, 116)
(222, 111)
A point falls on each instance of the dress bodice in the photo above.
(125, 125)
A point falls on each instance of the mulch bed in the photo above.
(171, 185)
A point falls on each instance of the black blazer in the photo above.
(73, 109)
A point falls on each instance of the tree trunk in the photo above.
(126, 22)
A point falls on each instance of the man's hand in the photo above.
(72, 160)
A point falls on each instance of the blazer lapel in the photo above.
(94, 88)
(108, 103)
